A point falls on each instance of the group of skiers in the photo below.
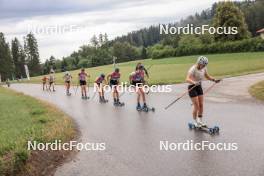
(136, 78)
(49, 81)
(196, 74)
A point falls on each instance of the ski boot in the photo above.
(118, 103)
(102, 100)
(68, 93)
(201, 123)
(139, 108)
(145, 108)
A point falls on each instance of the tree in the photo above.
(32, 54)
(254, 15)
(229, 15)
(6, 61)
(189, 41)
(52, 62)
(75, 62)
(46, 67)
(206, 38)
(125, 51)
(101, 39)
(94, 41)
(106, 38)
(64, 65)
(144, 53)
(18, 55)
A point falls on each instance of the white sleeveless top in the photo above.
(197, 75)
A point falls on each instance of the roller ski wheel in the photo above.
(103, 101)
(68, 94)
(147, 109)
(85, 98)
(211, 131)
(216, 129)
(191, 125)
(119, 104)
(152, 109)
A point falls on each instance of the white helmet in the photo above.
(202, 60)
(67, 73)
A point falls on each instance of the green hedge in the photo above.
(246, 45)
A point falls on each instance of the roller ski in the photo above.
(85, 97)
(145, 108)
(103, 100)
(204, 127)
(118, 103)
(68, 93)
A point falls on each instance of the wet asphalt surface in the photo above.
(133, 138)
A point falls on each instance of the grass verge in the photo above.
(257, 90)
(173, 70)
(22, 119)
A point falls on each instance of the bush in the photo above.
(84, 63)
(247, 45)
(165, 52)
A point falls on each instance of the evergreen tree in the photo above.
(144, 53)
(52, 62)
(64, 65)
(18, 55)
(101, 39)
(32, 54)
(94, 41)
(106, 38)
(46, 67)
(6, 61)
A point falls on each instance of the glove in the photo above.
(217, 80)
(197, 84)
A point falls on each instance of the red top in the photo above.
(99, 80)
(138, 76)
(115, 76)
(44, 79)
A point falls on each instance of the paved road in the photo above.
(133, 138)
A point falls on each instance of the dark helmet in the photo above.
(102, 75)
(82, 69)
(141, 67)
(117, 70)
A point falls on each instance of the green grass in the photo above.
(24, 118)
(173, 70)
(257, 90)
